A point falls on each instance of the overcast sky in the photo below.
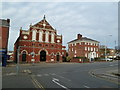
(95, 20)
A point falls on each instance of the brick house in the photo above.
(4, 35)
(39, 43)
(83, 47)
(110, 53)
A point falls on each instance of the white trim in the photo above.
(59, 53)
(41, 50)
(23, 51)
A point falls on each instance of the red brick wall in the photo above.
(4, 34)
(80, 49)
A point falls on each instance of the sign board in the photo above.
(52, 59)
(32, 60)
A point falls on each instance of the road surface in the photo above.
(59, 75)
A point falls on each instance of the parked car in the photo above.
(107, 59)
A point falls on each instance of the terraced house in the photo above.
(39, 43)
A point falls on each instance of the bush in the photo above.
(68, 59)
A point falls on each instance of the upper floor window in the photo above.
(40, 44)
(75, 44)
(88, 48)
(75, 51)
(33, 44)
(46, 45)
(91, 48)
(72, 49)
(52, 45)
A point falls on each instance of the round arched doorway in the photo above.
(42, 55)
(24, 56)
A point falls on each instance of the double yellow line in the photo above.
(36, 83)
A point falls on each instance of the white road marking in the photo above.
(86, 86)
(60, 76)
(56, 81)
(39, 75)
(111, 65)
(53, 74)
(46, 74)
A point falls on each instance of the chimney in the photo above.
(79, 36)
(8, 20)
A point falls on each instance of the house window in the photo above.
(85, 54)
(46, 45)
(88, 48)
(85, 48)
(74, 55)
(75, 51)
(91, 49)
(97, 55)
(96, 49)
(40, 44)
(75, 44)
(33, 44)
(72, 49)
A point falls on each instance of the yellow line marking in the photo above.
(36, 83)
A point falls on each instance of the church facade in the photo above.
(39, 43)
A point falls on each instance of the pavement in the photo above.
(106, 73)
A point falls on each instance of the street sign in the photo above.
(33, 54)
(32, 60)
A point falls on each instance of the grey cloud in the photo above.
(94, 20)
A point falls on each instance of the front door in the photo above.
(42, 56)
(24, 56)
(58, 57)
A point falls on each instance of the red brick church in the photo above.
(39, 43)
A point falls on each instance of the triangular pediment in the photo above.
(43, 24)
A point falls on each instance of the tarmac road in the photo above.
(60, 75)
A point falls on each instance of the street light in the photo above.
(106, 49)
(17, 66)
(33, 53)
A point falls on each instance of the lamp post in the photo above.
(33, 54)
(106, 49)
(17, 66)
